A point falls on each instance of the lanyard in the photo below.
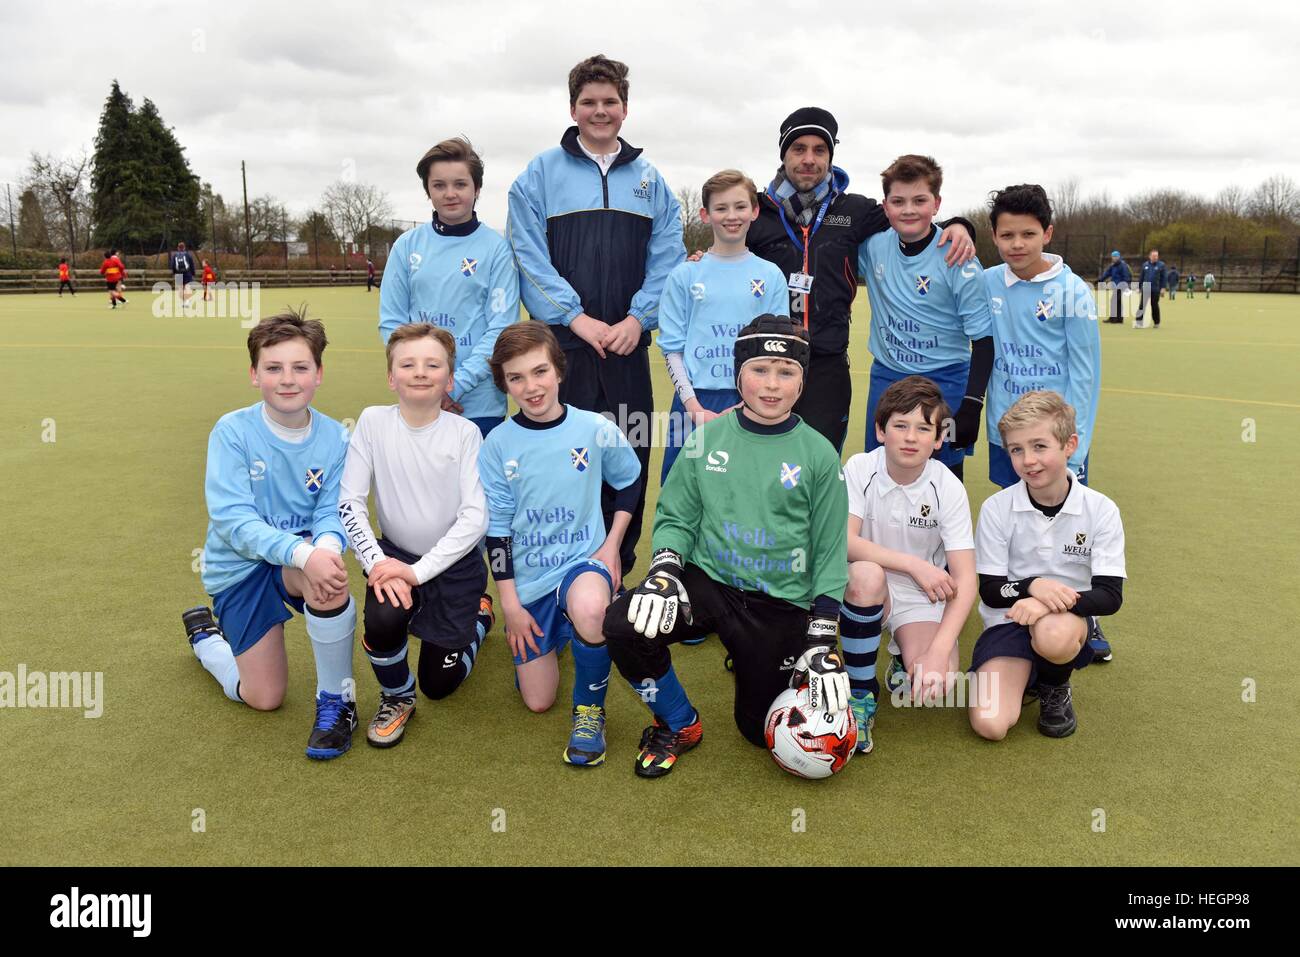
(821, 213)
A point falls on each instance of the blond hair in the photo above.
(726, 179)
(421, 330)
(1033, 407)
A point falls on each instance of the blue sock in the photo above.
(860, 640)
(215, 655)
(667, 699)
(590, 673)
(331, 634)
(471, 650)
(391, 670)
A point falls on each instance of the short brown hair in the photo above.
(420, 330)
(455, 150)
(519, 338)
(726, 179)
(292, 324)
(911, 167)
(906, 394)
(597, 69)
(1034, 407)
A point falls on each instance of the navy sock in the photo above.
(1050, 673)
(667, 699)
(860, 641)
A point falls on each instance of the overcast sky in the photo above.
(1125, 96)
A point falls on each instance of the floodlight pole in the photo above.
(248, 229)
(13, 233)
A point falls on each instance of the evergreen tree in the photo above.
(109, 176)
(32, 230)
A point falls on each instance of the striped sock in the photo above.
(860, 640)
(391, 670)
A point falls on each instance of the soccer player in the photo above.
(1152, 283)
(274, 537)
(182, 266)
(749, 542)
(1050, 556)
(65, 277)
(595, 231)
(705, 303)
(1209, 284)
(927, 317)
(810, 227)
(209, 277)
(555, 564)
(370, 275)
(1191, 285)
(1117, 276)
(911, 551)
(457, 274)
(1172, 282)
(426, 575)
(113, 271)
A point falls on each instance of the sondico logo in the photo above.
(258, 472)
(511, 469)
(415, 261)
(717, 461)
(103, 910)
(774, 345)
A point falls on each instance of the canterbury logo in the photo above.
(774, 345)
(1010, 591)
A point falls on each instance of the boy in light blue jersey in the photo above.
(1044, 326)
(927, 318)
(457, 274)
(555, 564)
(706, 303)
(274, 538)
(1046, 335)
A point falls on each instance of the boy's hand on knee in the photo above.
(1055, 595)
(1028, 612)
(934, 581)
(326, 574)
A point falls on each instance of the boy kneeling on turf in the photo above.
(426, 575)
(1050, 556)
(555, 563)
(274, 537)
(911, 551)
(749, 542)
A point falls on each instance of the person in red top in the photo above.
(209, 277)
(65, 277)
(113, 272)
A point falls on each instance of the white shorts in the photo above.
(908, 604)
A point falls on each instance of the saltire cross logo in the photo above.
(578, 459)
(468, 266)
(790, 474)
(923, 285)
(757, 286)
(315, 479)
(1081, 538)
(1044, 310)
(925, 511)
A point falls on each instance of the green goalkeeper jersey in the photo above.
(759, 510)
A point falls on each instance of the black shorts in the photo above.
(111, 284)
(444, 609)
(764, 636)
(1012, 640)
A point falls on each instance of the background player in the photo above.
(209, 277)
(426, 576)
(274, 537)
(65, 277)
(554, 564)
(1116, 276)
(457, 275)
(182, 266)
(113, 272)
(1050, 556)
(749, 541)
(1152, 283)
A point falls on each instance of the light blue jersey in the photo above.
(704, 306)
(1046, 336)
(924, 313)
(264, 493)
(543, 490)
(461, 279)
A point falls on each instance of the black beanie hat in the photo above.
(809, 120)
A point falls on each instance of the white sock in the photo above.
(215, 655)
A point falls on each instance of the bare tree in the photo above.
(1232, 201)
(1276, 200)
(1067, 200)
(59, 182)
(696, 235)
(1163, 206)
(352, 208)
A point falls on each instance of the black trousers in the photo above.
(1151, 296)
(827, 395)
(1116, 305)
(620, 386)
(764, 636)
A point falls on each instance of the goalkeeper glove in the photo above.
(661, 599)
(822, 669)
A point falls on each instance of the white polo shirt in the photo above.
(927, 519)
(1016, 540)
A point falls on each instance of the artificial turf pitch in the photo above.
(104, 523)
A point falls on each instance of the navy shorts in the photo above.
(1012, 640)
(1003, 474)
(254, 605)
(551, 615)
(951, 381)
(444, 610)
(680, 426)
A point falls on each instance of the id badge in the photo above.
(801, 282)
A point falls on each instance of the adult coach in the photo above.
(1117, 276)
(182, 265)
(811, 227)
(595, 231)
(1152, 284)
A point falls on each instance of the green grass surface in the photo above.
(104, 521)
